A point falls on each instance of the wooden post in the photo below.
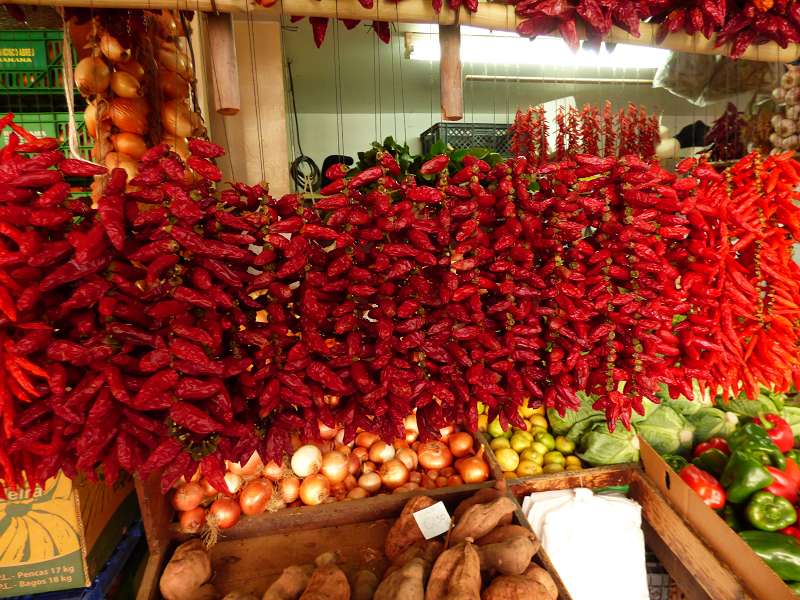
(450, 83)
(225, 72)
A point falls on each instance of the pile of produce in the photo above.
(786, 124)
(483, 556)
(182, 325)
(750, 475)
(328, 472)
(532, 450)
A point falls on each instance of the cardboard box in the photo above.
(761, 581)
(59, 537)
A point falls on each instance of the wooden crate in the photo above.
(252, 554)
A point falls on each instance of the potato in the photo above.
(327, 583)
(543, 578)
(290, 584)
(187, 572)
(480, 519)
(516, 587)
(405, 532)
(510, 557)
(405, 583)
(239, 596)
(364, 585)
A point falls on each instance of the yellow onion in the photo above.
(393, 473)
(473, 469)
(255, 496)
(350, 482)
(112, 49)
(208, 489)
(129, 143)
(177, 118)
(273, 471)
(289, 489)
(406, 487)
(117, 160)
(371, 482)
(445, 432)
(357, 493)
(179, 145)
(314, 489)
(191, 521)
(188, 496)
(172, 85)
(368, 467)
(334, 466)
(460, 444)
(415, 477)
(325, 432)
(173, 59)
(454, 480)
(365, 439)
(361, 453)
(132, 67)
(224, 513)
(234, 482)
(380, 452)
(408, 457)
(353, 463)
(434, 455)
(90, 119)
(125, 85)
(92, 76)
(129, 114)
(306, 460)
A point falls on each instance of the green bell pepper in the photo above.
(794, 586)
(713, 461)
(794, 455)
(728, 513)
(780, 552)
(754, 439)
(769, 512)
(675, 461)
(743, 476)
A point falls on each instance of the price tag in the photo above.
(433, 521)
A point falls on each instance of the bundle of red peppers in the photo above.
(177, 324)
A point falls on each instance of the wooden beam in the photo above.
(450, 83)
(490, 15)
(225, 74)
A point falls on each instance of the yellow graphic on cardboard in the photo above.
(40, 527)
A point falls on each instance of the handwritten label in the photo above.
(433, 521)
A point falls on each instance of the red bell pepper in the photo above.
(782, 484)
(705, 485)
(717, 443)
(791, 531)
(779, 431)
(793, 471)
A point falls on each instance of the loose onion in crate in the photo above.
(255, 496)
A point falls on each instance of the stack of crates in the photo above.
(32, 86)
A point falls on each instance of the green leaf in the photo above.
(602, 447)
(438, 148)
(667, 431)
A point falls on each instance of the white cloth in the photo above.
(595, 542)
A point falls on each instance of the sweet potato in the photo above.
(290, 584)
(502, 533)
(482, 496)
(516, 587)
(327, 583)
(187, 572)
(239, 596)
(405, 583)
(480, 519)
(405, 533)
(456, 575)
(543, 578)
(364, 585)
(427, 551)
(510, 557)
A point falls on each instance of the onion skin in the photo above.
(234, 482)
(381, 452)
(357, 493)
(394, 473)
(172, 85)
(188, 496)
(365, 439)
(368, 467)
(334, 466)
(362, 453)
(129, 114)
(350, 482)
(92, 76)
(371, 482)
(252, 468)
(325, 432)
(255, 496)
(125, 85)
(176, 117)
(460, 444)
(208, 489)
(272, 471)
(191, 521)
(314, 490)
(408, 457)
(112, 49)
(434, 455)
(129, 143)
(353, 464)
(225, 513)
(289, 489)
(90, 119)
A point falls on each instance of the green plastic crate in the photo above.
(52, 125)
(31, 62)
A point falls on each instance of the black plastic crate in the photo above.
(468, 135)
